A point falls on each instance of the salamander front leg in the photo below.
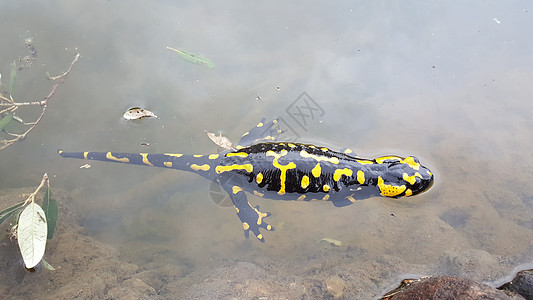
(252, 219)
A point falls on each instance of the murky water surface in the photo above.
(448, 83)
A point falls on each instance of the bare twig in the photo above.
(12, 105)
(31, 198)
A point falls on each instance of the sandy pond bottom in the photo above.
(88, 268)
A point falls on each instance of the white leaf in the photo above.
(221, 141)
(31, 234)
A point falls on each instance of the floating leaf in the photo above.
(332, 241)
(221, 141)
(9, 211)
(50, 210)
(194, 58)
(31, 234)
(12, 81)
(136, 113)
(5, 121)
(47, 266)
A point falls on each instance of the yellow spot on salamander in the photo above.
(260, 125)
(305, 181)
(326, 198)
(301, 198)
(360, 177)
(213, 156)
(339, 172)
(326, 188)
(408, 192)
(168, 164)
(245, 226)
(269, 227)
(110, 156)
(412, 163)
(291, 145)
(247, 167)
(348, 151)
(260, 236)
(316, 171)
(319, 158)
(408, 161)
(239, 154)
(275, 121)
(282, 168)
(236, 189)
(351, 198)
(197, 155)
(258, 194)
(204, 167)
(236, 209)
(238, 147)
(411, 179)
(324, 149)
(85, 154)
(364, 161)
(145, 159)
(259, 177)
(246, 133)
(388, 189)
(260, 216)
(174, 154)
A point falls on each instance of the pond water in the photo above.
(448, 83)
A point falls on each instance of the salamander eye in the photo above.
(393, 163)
(414, 159)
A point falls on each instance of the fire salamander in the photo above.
(286, 171)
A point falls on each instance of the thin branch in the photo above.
(31, 198)
(12, 105)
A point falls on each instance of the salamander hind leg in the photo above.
(262, 132)
(252, 219)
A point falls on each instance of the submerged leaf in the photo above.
(47, 266)
(332, 242)
(5, 121)
(31, 234)
(9, 211)
(221, 141)
(50, 210)
(194, 58)
(12, 81)
(136, 113)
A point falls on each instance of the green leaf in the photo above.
(9, 211)
(31, 234)
(47, 266)
(194, 58)
(50, 210)
(12, 81)
(5, 121)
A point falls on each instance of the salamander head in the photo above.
(403, 177)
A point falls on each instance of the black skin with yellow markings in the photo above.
(286, 171)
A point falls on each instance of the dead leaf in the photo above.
(221, 141)
(136, 113)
